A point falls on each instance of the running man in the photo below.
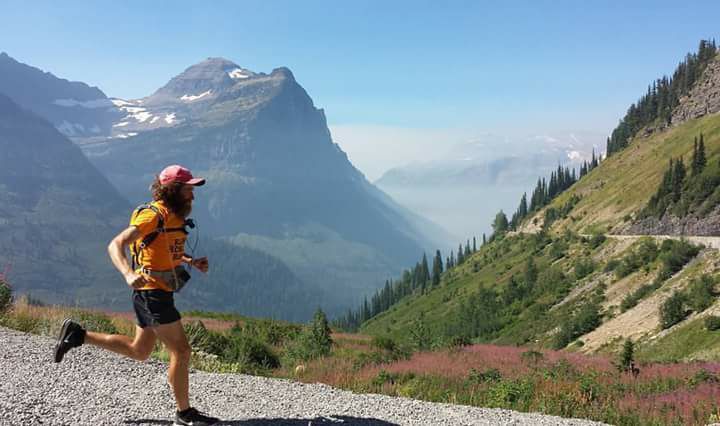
(156, 238)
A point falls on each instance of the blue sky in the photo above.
(447, 69)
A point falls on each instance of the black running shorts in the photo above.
(154, 307)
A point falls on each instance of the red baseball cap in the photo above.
(179, 174)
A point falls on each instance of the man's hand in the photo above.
(135, 280)
(201, 264)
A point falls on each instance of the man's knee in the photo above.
(182, 352)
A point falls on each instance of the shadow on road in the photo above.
(344, 420)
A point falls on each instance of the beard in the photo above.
(179, 206)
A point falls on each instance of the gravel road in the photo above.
(94, 387)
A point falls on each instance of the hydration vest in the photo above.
(137, 248)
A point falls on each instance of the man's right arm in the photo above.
(117, 248)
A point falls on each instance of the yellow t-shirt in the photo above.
(168, 248)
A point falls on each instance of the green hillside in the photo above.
(591, 290)
(622, 185)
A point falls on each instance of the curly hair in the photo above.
(169, 194)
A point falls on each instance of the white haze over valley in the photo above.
(460, 179)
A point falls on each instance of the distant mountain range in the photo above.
(471, 174)
(495, 160)
(276, 181)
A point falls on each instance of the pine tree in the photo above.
(694, 158)
(500, 225)
(484, 239)
(678, 177)
(366, 314)
(437, 269)
(593, 161)
(460, 257)
(531, 273)
(320, 332)
(474, 248)
(627, 356)
(702, 159)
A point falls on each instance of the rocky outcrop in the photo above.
(704, 97)
(708, 225)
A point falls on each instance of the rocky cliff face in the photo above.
(708, 225)
(704, 97)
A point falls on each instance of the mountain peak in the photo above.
(210, 75)
(283, 72)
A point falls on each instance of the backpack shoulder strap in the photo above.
(137, 248)
(149, 238)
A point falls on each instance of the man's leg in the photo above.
(138, 348)
(173, 336)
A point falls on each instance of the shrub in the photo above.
(628, 264)
(597, 240)
(489, 375)
(26, 323)
(385, 343)
(202, 339)
(250, 353)
(313, 342)
(632, 299)
(584, 267)
(269, 331)
(459, 341)
(700, 293)
(532, 357)
(643, 256)
(676, 254)
(702, 376)
(558, 249)
(673, 310)
(612, 265)
(712, 323)
(5, 296)
(95, 321)
(511, 394)
(648, 250)
(586, 320)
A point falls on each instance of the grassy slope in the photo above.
(624, 183)
(457, 285)
(620, 186)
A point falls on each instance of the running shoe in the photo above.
(71, 336)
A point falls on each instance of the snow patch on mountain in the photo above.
(170, 118)
(120, 102)
(238, 73)
(138, 113)
(126, 135)
(190, 98)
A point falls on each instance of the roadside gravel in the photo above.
(95, 387)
